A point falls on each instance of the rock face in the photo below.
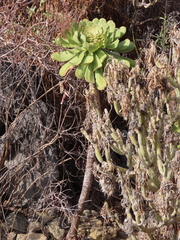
(31, 165)
(30, 156)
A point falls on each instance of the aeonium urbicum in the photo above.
(88, 46)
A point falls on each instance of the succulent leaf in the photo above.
(98, 153)
(117, 107)
(95, 20)
(102, 21)
(96, 63)
(77, 59)
(89, 74)
(58, 41)
(61, 56)
(100, 81)
(88, 58)
(112, 45)
(122, 31)
(126, 61)
(75, 38)
(74, 51)
(71, 41)
(102, 55)
(122, 46)
(112, 26)
(129, 48)
(80, 71)
(82, 37)
(131, 61)
(92, 47)
(176, 127)
(74, 27)
(63, 42)
(99, 58)
(65, 55)
(65, 68)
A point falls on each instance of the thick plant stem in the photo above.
(86, 187)
(94, 107)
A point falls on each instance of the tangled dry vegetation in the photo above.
(148, 98)
(35, 126)
(42, 149)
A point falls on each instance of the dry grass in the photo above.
(29, 77)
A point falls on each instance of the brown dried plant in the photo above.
(148, 99)
(30, 85)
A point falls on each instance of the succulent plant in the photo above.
(176, 129)
(89, 44)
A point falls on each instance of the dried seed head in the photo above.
(107, 184)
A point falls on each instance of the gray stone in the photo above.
(46, 216)
(86, 212)
(31, 236)
(32, 165)
(11, 236)
(17, 222)
(54, 228)
(34, 226)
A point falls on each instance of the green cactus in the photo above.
(89, 44)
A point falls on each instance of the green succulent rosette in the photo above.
(88, 46)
